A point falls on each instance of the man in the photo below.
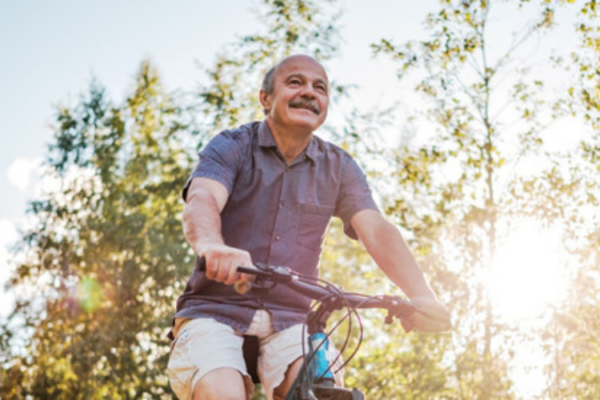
(265, 193)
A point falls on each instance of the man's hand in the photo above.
(221, 265)
(430, 316)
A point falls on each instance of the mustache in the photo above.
(306, 103)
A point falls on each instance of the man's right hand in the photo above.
(222, 262)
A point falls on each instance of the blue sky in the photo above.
(51, 51)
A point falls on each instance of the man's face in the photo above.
(300, 96)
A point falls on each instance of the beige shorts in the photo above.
(203, 345)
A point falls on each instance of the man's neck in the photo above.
(291, 143)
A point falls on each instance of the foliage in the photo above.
(290, 27)
(105, 258)
(572, 338)
(489, 113)
(106, 254)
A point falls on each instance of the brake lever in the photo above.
(402, 309)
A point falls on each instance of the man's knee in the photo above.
(221, 384)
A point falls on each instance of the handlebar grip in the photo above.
(202, 264)
(240, 286)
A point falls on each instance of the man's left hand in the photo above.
(430, 316)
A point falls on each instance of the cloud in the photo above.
(21, 171)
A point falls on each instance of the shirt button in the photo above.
(283, 203)
(287, 169)
(277, 238)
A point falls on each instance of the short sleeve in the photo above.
(354, 196)
(220, 160)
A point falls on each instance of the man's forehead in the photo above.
(301, 64)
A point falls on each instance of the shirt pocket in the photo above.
(313, 222)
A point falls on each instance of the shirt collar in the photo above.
(312, 148)
(266, 139)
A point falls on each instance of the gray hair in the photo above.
(268, 84)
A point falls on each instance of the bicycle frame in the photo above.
(315, 381)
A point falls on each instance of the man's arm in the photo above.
(205, 200)
(385, 244)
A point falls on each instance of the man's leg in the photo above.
(290, 375)
(281, 360)
(221, 384)
(205, 348)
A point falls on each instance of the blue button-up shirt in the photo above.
(278, 212)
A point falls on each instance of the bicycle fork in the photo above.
(315, 381)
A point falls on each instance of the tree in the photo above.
(488, 113)
(290, 27)
(107, 259)
(106, 254)
(573, 338)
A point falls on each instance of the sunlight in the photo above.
(527, 274)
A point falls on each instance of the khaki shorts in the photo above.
(203, 345)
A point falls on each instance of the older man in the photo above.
(265, 192)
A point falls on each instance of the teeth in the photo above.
(306, 108)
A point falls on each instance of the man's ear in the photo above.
(265, 101)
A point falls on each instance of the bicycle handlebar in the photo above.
(265, 275)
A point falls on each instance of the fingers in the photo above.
(232, 275)
(407, 324)
(212, 266)
(222, 262)
(242, 286)
(430, 316)
(423, 323)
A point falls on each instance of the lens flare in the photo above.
(89, 294)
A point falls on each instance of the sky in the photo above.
(52, 49)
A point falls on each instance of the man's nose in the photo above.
(308, 91)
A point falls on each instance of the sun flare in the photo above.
(528, 274)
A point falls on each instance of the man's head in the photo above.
(295, 93)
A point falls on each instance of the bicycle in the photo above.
(315, 380)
